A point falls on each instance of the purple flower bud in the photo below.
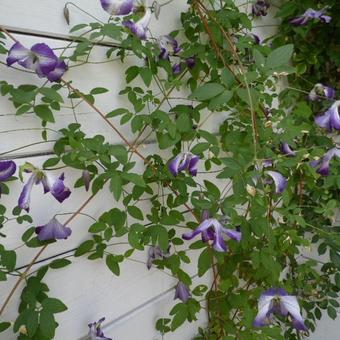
(176, 68)
(156, 253)
(182, 292)
(184, 161)
(191, 62)
(7, 169)
(86, 179)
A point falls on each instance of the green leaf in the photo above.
(117, 112)
(207, 91)
(44, 112)
(53, 305)
(134, 178)
(97, 227)
(4, 326)
(84, 248)
(220, 100)
(135, 212)
(59, 263)
(199, 148)
(280, 56)
(131, 73)
(99, 90)
(51, 93)
(47, 324)
(331, 311)
(204, 262)
(112, 263)
(119, 152)
(260, 60)
(146, 75)
(116, 185)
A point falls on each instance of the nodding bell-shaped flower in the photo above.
(117, 7)
(260, 8)
(286, 149)
(140, 27)
(182, 292)
(169, 46)
(323, 163)
(211, 229)
(320, 91)
(95, 331)
(184, 161)
(156, 253)
(53, 230)
(311, 14)
(277, 301)
(330, 119)
(55, 186)
(7, 170)
(279, 181)
(40, 59)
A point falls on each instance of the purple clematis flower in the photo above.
(323, 163)
(140, 27)
(277, 301)
(286, 149)
(330, 119)
(7, 169)
(311, 14)
(117, 7)
(211, 229)
(40, 59)
(182, 292)
(156, 253)
(184, 161)
(319, 91)
(260, 8)
(57, 188)
(95, 332)
(53, 230)
(191, 62)
(168, 46)
(177, 68)
(279, 181)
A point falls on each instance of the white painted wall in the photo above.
(132, 302)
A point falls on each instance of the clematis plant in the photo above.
(330, 120)
(311, 14)
(184, 161)
(95, 331)
(182, 292)
(53, 230)
(323, 164)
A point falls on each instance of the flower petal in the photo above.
(264, 306)
(16, 53)
(292, 306)
(25, 195)
(59, 191)
(117, 7)
(233, 234)
(7, 169)
(193, 164)
(203, 226)
(58, 72)
(286, 149)
(279, 180)
(174, 164)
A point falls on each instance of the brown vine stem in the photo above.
(24, 274)
(8, 34)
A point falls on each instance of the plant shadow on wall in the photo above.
(261, 190)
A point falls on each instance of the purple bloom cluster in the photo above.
(260, 8)
(322, 165)
(117, 7)
(40, 59)
(184, 161)
(55, 186)
(212, 230)
(182, 292)
(311, 14)
(277, 301)
(95, 331)
(330, 120)
(321, 91)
